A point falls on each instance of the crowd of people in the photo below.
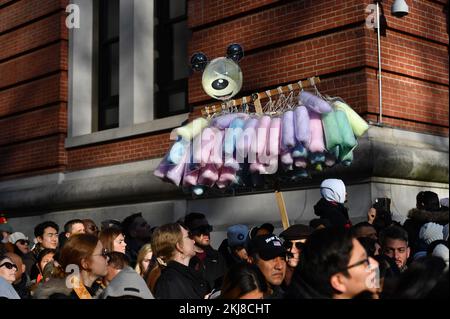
(330, 258)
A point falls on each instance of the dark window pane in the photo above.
(177, 8)
(177, 101)
(181, 35)
(111, 117)
(113, 8)
(114, 68)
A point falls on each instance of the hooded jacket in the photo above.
(417, 218)
(336, 213)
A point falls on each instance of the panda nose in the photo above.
(220, 84)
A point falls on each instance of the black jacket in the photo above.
(212, 269)
(336, 213)
(230, 258)
(22, 287)
(178, 281)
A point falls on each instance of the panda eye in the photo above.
(220, 84)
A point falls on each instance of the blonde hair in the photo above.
(164, 245)
(147, 248)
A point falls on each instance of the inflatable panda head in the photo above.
(222, 77)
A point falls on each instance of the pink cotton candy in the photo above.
(227, 177)
(208, 175)
(217, 150)
(315, 124)
(286, 158)
(301, 125)
(209, 136)
(190, 177)
(300, 162)
(176, 173)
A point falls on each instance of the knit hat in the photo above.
(441, 251)
(237, 235)
(4, 226)
(14, 237)
(127, 283)
(296, 232)
(444, 202)
(333, 190)
(430, 232)
(445, 232)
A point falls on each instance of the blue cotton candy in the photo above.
(177, 152)
(299, 151)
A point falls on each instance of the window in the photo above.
(108, 64)
(112, 67)
(172, 71)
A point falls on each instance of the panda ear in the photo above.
(235, 52)
(199, 61)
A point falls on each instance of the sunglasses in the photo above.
(23, 242)
(9, 265)
(202, 230)
(299, 245)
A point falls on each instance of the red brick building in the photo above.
(71, 145)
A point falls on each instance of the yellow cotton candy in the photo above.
(359, 126)
(191, 130)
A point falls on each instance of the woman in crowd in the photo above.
(83, 260)
(172, 278)
(113, 239)
(144, 259)
(8, 271)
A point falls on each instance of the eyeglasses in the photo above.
(361, 262)
(105, 253)
(9, 265)
(299, 245)
(23, 242)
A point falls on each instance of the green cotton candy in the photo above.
(359, 126)
(348, 138)
(332, 132)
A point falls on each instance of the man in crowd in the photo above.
(333, 265)
(268, 253)
(394, 244)
(46, 234)
(208, 261)
(233, 248)
(137, 233)
(294, 238)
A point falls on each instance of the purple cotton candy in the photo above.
(176, 173)
(245, 140)
(314, 103)
(262, 132)
(315, 125)
(224, 121)
(301, 125)
(288, 128)
(190, 177)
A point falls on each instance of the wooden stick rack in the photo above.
(255, 98)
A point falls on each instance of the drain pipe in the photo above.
(380, 102)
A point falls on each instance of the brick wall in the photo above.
(33, 87)
(284, 41)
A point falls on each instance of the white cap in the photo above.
(14, 237)
(444, 202)
(442, 252)
(430, 232)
